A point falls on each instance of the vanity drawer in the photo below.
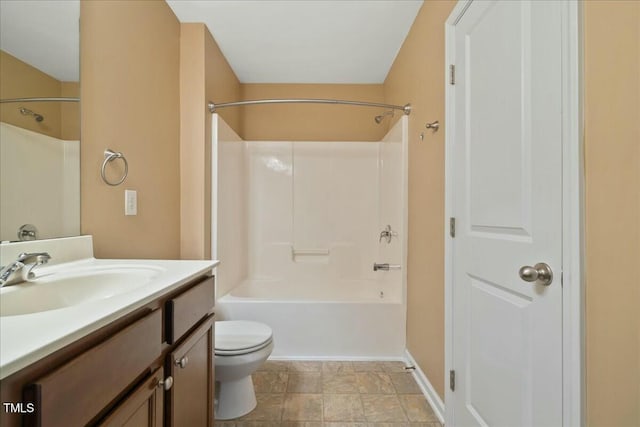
(76, 392)
(186, 309)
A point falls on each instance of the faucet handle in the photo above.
(38, 257)
(387, 233)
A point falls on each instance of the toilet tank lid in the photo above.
(240, 334)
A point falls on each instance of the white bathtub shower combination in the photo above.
(297, 228)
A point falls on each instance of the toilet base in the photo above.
(235, 399)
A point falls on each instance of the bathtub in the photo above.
(337, 319)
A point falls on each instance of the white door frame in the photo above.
(572, 211)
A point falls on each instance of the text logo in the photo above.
(18, 408)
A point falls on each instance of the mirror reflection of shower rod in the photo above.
(49, 99)
(27, 112)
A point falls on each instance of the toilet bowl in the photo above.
(241, 347)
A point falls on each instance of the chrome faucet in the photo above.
(20, 270)
(387, 234)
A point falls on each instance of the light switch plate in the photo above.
(130, 202)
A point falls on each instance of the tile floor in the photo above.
(336, 394)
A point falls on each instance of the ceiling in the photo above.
(265, 41)
(305, 41)
(44, 34)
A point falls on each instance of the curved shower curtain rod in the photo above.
(52, 99)
(213, 106)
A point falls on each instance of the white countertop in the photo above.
(27, 338)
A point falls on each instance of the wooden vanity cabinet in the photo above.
(152, 367)
(76, 392)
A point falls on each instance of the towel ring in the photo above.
(109, 156)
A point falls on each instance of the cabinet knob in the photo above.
(182, 362)
(166, 383)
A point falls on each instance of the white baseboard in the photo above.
(427, 389)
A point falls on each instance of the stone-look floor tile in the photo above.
(305, 366)
(382, 408)
(301, 424)
(336, 367)
(417, 408)
(270, 381)
(269, 408)
(274, 365)
(302, 407)
(367, 366)
(343, 407)
(425, 425)
(225, 424)
(255, 424)
(339, 424)
(393, 366)
(305, 382)
(404, 383)
(375, 383)
(339, 383)
(389, 425)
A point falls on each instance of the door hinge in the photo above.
(452, 227)
(452, 380)
(452, 74)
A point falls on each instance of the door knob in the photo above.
(540, 273)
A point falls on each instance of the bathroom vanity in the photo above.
(139, 357)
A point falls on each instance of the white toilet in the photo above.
(240, 348)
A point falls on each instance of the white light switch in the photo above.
(130, 202)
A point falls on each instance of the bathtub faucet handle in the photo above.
(387, 234)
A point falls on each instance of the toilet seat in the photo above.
(237, 337)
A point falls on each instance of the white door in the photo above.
(507, 191)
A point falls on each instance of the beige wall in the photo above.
(204, 75)
(130, 59)
(221, 85)
(612, 164)
(193, 242)
(312, 122)
(20, 80)
(417, 77)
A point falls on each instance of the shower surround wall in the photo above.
(314, 212)
(39, 183)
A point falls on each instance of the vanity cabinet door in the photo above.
(191, 365)
(78, 391)
(142, 408)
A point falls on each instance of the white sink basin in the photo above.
(69, 288)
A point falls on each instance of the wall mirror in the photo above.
(39, 140)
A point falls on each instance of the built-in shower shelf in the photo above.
(319, 256)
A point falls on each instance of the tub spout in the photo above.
(385, 266)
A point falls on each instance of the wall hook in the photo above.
(433, 125)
